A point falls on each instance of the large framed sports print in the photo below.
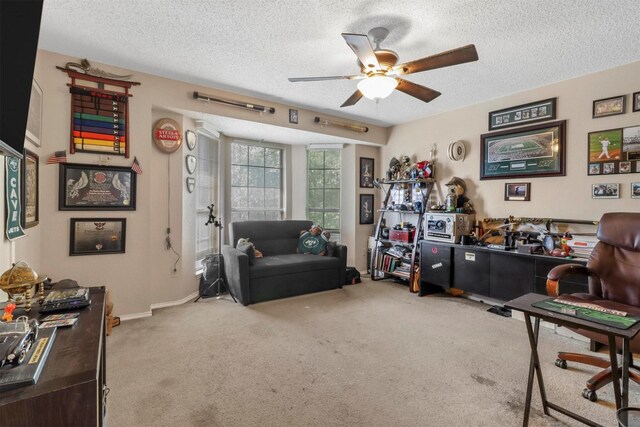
(533, 151)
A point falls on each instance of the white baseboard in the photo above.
(156, 306)
(188, 298)
(134, 316)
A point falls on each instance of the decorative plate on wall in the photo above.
(190, 138)
(191, 184)
(456, 151)
(167, 135)
(192, 161)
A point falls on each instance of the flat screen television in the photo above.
(19, 32)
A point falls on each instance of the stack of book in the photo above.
(582, 246)
(403, 270)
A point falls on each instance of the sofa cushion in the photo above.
(271, 237)
(279, 265)
(331, 248)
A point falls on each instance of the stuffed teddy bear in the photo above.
(244, 241)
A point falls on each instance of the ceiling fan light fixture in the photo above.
(377, 87)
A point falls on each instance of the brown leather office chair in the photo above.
(613, 271)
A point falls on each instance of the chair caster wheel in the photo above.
(590, 395)
(561, 363)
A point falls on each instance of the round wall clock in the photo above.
(190, 138)
(167, 135)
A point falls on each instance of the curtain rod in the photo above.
(232, 103)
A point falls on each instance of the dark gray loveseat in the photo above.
(281, 272)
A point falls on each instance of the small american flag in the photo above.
(136, 166)
(58, 157)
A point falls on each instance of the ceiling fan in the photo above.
(380, 72)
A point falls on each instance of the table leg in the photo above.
(614, 370)
(626, 363)
(534, 365)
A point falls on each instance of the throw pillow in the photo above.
(309, 243)
(245, 246)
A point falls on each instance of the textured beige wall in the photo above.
(567, 197)
(360, 243)
(144, 276)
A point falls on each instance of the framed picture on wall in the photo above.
(34, 119)
(636, 101)
(635, 190)
(293, 116)
(530, 113)
(29, 190)
(605, 191)
(614, 151)
(517, 191)
(532, 151)
(97, 236)
(609, 106)
(94, 187)
(366, 209)
(366, 172)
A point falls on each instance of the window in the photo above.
(206, 194)
(256, 182)
(323, 190)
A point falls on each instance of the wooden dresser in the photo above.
(71, 387)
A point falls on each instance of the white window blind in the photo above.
(206, 194)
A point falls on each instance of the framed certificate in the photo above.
(93, 187)
(97, 236)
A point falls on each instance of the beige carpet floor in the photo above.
(370, 354)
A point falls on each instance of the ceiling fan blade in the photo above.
(361, 46)
(319, 79)
(445, 59)
(352, 99)
(423, 93)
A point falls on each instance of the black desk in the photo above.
(523, 304)
(71, 388)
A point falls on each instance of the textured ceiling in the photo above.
(252, 46)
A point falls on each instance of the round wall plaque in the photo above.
(167, 135)
(456, 151)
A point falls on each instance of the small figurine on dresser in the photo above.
(456, 200)
(8, 312)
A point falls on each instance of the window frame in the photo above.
(335, 233)
(265, 145)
